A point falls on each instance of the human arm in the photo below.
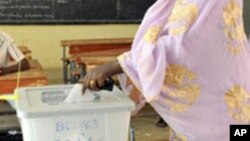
(14, 68)
(95, 78)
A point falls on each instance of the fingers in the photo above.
(100, 83)
(95, 78)
(1, 71)
(93, 85)
(92, 81)
(83, 89)
(86, 81)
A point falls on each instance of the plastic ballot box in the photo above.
(44, 116)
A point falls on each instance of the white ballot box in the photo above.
(44, 116)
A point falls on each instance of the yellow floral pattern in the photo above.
(175, 136)
(181, 89)
(234, 28)
(238, 101)
(183, 15)
(152, 34)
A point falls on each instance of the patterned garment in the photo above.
(8, 49)
(190, 60)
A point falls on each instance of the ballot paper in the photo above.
(76, 96)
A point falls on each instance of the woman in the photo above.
(190, 60)
(9, 50)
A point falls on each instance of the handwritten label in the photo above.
(80, 128)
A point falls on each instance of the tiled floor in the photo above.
(144, 124)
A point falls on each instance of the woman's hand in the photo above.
(15, 68)
(1, 71)
(95, 78)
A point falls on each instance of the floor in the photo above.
(144, 124)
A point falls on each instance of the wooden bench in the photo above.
(90, 52)
(26, 51)
(32, 77)
(35, 64)
(9, 122)
(6, 108)
(8, 118)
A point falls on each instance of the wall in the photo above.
(44, 41)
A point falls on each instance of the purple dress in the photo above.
(190, 60)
